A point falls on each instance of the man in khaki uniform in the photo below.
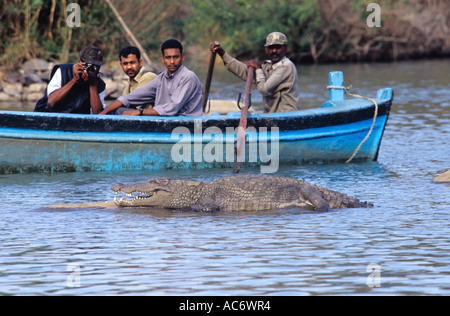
(276, 79)
(131, 63)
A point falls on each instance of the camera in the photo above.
(91, 69)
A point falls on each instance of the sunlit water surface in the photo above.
(403, 241)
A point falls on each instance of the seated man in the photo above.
(276, 78)
(131, 63)
(76, 88)
(176, 91)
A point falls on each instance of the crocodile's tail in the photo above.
(341, 200)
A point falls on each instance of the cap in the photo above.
(276, 38)
(92, 55)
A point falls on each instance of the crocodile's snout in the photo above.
(117, 187)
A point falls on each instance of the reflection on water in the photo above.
(281, 252)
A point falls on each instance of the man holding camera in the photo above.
(76, 88)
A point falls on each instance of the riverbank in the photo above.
(317, 30)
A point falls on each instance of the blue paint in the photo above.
(336, 78)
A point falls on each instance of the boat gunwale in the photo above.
(344, 112)
(208, 136)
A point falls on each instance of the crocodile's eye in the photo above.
(162, 181)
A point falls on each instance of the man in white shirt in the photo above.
(76, 88)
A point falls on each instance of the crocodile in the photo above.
(234, 193)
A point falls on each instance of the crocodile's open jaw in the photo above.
(154, 197)
(135, 196)
(152, 193)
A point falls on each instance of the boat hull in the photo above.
(55, 152)
(36, 142)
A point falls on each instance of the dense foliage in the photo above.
(318, 30)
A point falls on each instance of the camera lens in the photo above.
(91, 69)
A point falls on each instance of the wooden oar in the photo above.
(212, 61)
(240, 144)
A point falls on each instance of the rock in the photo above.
(4, 97)
(13, 89)
(35, 88)
(45, 76)
(111, 87)
(117, 93)
(31, 78)
(445, 177)
(36, 66)
(14, 78)
(36, 70)
(32, 97)
(34, 92)
(119, 75)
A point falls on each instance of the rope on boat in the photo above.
(346, 90)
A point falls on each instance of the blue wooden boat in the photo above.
(53, 142)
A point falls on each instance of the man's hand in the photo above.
(79, 72)
(217, 48)
(112, 107)
(131, 112)
(147, 112)
(254, 64)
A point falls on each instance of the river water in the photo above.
(401, 246)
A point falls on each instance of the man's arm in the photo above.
(59, 94)
(143, 95)
(233, 65)
(112, 107)
(96, 103)
(278, 80)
